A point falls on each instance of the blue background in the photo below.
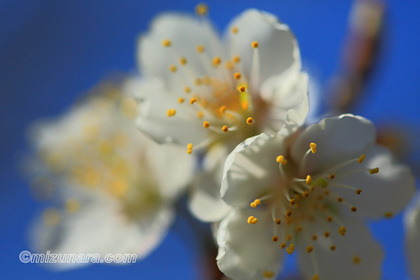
(53, 51)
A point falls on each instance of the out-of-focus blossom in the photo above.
(412, 234)
(208, 94)
(310, 192)
(112, 188)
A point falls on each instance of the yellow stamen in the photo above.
(228, 65)
(340, 199)
(308, 180)
(225, 128)
(237, 75)
(166, 43)
(189, 148)
(342, 230)
(201, 9)
(332, 176)
(200, 114)
(361, 158)
(283, 245)
(277, 221)
(356, 259)
(236, 59)
(275, 238)
(254, 44)
(313, 147)
(193, 100)
(332, 248)
(326, 234)
(206, 124)
(353, 209)
(249, 120)
(358, 191)
(374, 170)
(222, 109)
(181, 100)
(200, 48)
(216, 61)
(252, 220)
(242, 89)
(280, 159)
(388, 215)
(182, 61)
(309, 249)
(234, 30)
(290, 249)
(171, 112)
(314, 237)
(172, 68)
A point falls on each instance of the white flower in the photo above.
(113, 188)
(310, 191)
(412, 235)
(204, 93)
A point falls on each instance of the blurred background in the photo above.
(51, 52)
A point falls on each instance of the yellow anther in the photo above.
(277, 221)
(275, 238)
(353, 209)
(228, 65)
(171, 112)
(242, 89)
(361, 158)
(309, 249)
(358, 191)
(72, 206)
(340, 199)
(257, 201)
(253, 205)
(308, 180)
(329, 219)
(305, 194)
(292, 201)
(200, 114)
(314, 237)
(237, 75)
(172, 68)
(234, 30)
(388, 215)
(249, 120)
(332, 176)
(189, 148)
(342, 230)
(252, 220)
(216, 61)
(222, 109)
(181, 100)
(332, 248)
(313, 147)
(201, 9)
(166, 43)
(288, 213)
(193, 100)
(236, 59)
(254, 44)
(290, 249)
(200, 48)
(321, 182)
(187, 89)
(374, 170)
(315, 277)
(280, 159)
(311, 188)
(206, 124)
(225, 128)
(182, 61)
(326, 234)
(268, 274)
(356, 259)
(282, 245)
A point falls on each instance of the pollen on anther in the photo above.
(166, 43)
(332, 248)
(254, 44)
(236, 59)
(326, 234)
(181, 100)
(237, 75)
(225, 128)
(206, 124)
(182, 61)
(280, 159)
(374, 170)
(332, 176)
(353, 209)
(290, 249)
(200, 48)
(242, 89)
(172, 68)
(308, 180)
(193, 100)
(305, 194)
(275, 238)
(313, 147)
(189, 148)
(309, 249)
(201, 9)
(216, 61)
(288, 213)
(361, 158)
(252, 220)
(292, 201)
(358, 191)
(171, 112)
(277, 221)
(234, 30)
(249, 120)
(342, 230)
(283, 245)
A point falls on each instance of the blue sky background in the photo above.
(53, 51)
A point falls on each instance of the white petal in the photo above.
(100, 228)
(412, 229)
(278, 50)
(185, 32)
(154, 101)
(250, 169)
(339, 264)
(246, 251)
(337, 138)
(388, 191)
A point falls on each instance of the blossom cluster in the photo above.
(222, 119)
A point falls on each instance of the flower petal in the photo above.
(277, 50)
(250, 169)
(356, 255)
(337, 138)
(99, 227)
(247, 251)
(154, 101)
(412, 229)
(385, 193)
(185, 33)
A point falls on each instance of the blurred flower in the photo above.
(412, 233)
(209, 95)
(310, 191)
(113, 188)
